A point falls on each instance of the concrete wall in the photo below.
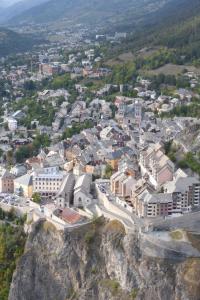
(20, 211)
(124, 204)
(111, 207)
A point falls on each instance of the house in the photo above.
(18, 170)
(6, 181)
(156, 164)
(121, 184)
(126, 165)
(113, 159)
(82, 196)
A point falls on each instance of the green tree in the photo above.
(36, 198)
(108, 171)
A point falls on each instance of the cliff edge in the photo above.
(99, 261)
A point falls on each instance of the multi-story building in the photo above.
(121, 184)
(185, 193)
(180, 195)
(48, 69)
(47, 182)
(157, 165)
(153, 205)
(6, 181)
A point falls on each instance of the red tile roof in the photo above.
(70, 216)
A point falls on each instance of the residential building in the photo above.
(6, 181)
(185, 193)
(18, 170)
(121, 184)
(156, 164)
(47, 182)
(153, 205)
(113, 159)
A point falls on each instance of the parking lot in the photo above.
(13, 200)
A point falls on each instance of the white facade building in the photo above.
(12, 124)
(47, 182)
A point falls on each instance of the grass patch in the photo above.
(194, 240)
(177, 235)
(89, 237)
(115, 227)
(112, 285)
(72, 294)
(134, 293)
(191, 277)
(48, 227)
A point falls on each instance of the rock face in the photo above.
(99, 261)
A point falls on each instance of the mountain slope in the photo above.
(12, 42)
(175, 25)
(8, 12)
(91, 11)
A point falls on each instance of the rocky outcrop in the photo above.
(99, 261)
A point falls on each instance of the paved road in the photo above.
(126, 222)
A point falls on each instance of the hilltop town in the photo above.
(80, 139)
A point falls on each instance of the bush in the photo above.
(89, 237)
(36, 198)
(112, 285)
(12, 240)
(134, 293)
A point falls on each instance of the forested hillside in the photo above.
(176, 26)
(12, 42)
(104, 12)
(12, 241)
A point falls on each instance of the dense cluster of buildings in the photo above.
(122, 141)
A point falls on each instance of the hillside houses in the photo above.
(156, 165)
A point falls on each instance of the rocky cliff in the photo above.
(99, 261)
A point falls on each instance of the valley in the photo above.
(100, 150)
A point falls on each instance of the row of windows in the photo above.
(48, 179)
(47, 183)
(51, 189)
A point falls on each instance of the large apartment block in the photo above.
(185, 193)
(47, 182)
(153, 205)
(156, 165)
(180, 195)
(121, 184)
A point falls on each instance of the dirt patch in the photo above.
(115, 227)
(191, 277)
(178, 235)
(194, 240)
(121, 59)
(171, 69)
